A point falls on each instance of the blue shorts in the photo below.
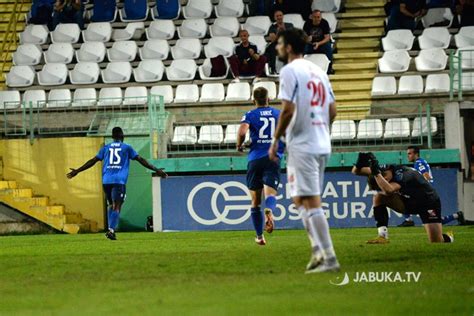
(114, 192)
(263, 171)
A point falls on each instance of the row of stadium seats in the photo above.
(410, 84)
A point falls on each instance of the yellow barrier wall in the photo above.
(43, 167)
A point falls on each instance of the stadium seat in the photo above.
(186, 93)
(149, 71)
(343, 130)
(231, 131)
(421, 126)
(434, 59)
(37, 98)
(269, 85)
(397, 128)
(104, 11)
(206, 68)
(211, 134)
(467, 82)
(10, 99)
(123, 51)
(219, 46)
(161, 29)
(166, 91)
(181, 70)
(61, 53)
(437, 83)
(212, 92)
(225, 26)
(412, 84)
(34, 34)
(186, 48)
(438, 16)
(97, 32)
(296, 19)
(197, 9)
(135, 96)
(27, 55)
(184, 135)
(133, 30)
(84, 97)
(370, 129)
(233, 8)
(59, 98)
(91, 52)
(117, 72)
(326, 5)
(398, 40)
(386, 85)
(20, 76)
(166, 10)
(239, 91)
(434, 37)
(259, 41)
(467, 57)
(84, 73)
(154, 49)
(320, 60)
(134, 11)
(394, 61)
(332, 20)
(465, 37)
(257, 25)
(110, 97)
(66, 33)
(270, 74)
(52, 75)
(193, 28)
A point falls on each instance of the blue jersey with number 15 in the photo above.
(116, 158)
(262, 123)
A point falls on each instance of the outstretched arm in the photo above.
(89, 164)
(146, 164)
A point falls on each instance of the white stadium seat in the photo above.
(135, 96)
(394, 61)
(398, 40)
(206, 68)
(211, 134)
(370, 129)
(233, 8)
(166, 91)
(397, 128)
(412, 84)
(434, 37)
(269, 85)
(181, 70)
(20, 76)
(257, 25)
(123, 51)
(110, 97)
(437, 83)
(37, 98)
(259, 41)
(187, 93)
(386, 85)
(66, 33)
(97, 32)
(212, 92)
(149, 71)
(326, 5)
(10, 99)
(133, 30)
(343, 130)
(238, 91)
(59, 98)
(231, 134)
(434, 59)
(465, 37)
(160, 29)
(421, 126)
(34, 34)
(117, 72)
(184, 135)
(296, 19)
(437, 16)
(27, 55)
(155, 49)
(84, 73)
(332, 20)
(52, 75)
(186, 48)
(197, 9)
(193, 28)
(467, 57)
(61, 53)
(320, 60)
(91, 52)
(225, 26)
(85, 97)
(219, 45)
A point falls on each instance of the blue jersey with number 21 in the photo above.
(116, 158)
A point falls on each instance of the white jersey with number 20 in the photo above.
(308, 87)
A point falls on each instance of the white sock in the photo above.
(383, 231)
(319, 222)
(313, 238)
(455, 215)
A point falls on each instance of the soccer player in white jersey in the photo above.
(309, 108)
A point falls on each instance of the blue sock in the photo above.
(257, 220)
(114, 220)
(270, 203)
(447, 219)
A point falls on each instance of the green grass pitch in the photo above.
(225, 273)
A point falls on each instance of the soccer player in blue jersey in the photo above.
(262, 173)
(116, 158)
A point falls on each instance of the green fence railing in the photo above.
(461, 72)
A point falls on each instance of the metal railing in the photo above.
(460, 78)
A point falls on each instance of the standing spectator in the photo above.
(319, 39)
(68, 11)
(41, 11)
(246, 61)
(405, 15)
(466, 9)
(261, 7)
(275, 28)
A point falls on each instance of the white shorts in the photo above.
(306, 173)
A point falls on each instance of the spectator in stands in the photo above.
(302, 7)
(41, 12)
(319, 39)
(275, 28)
(465, 8)
(246, 61)
(68, 11)
(406, 15)
(260, 7)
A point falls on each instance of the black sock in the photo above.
(447, 238)
(381, 215)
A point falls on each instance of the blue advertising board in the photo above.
(222, 202)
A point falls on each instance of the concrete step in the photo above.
(4, 27)
(358, 43)
(8, 185)
(342, 66)
(364, 4)
(357, 55)
(354, 96)
(361, 23)
(5, 17)
(370, 33)
(355, 86)
(367, 13)
(8, 8)
(351, 77)
(73, 218)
